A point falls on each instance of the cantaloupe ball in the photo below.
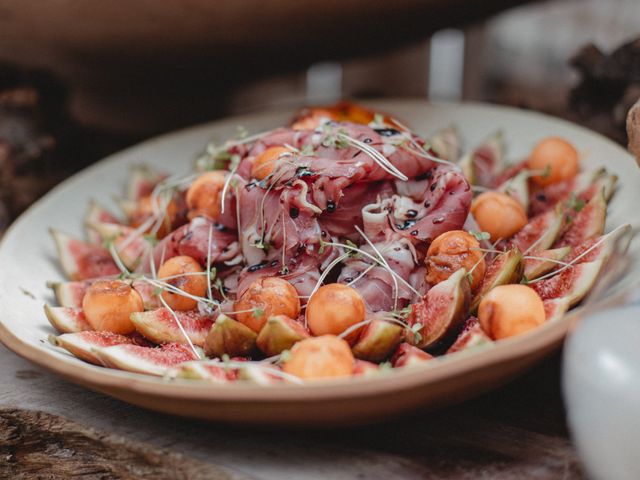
(557, 157)
(204, 194)
(145, 210)
(334, 308)
(509, 310)
(195, 285)
(452, 251)
(265, 163)
(108, 305)
(320, 357)
(266, 297)
(498, 214)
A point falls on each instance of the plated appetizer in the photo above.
(342, 245)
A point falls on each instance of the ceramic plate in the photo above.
(28, 260)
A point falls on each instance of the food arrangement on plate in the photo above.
(344, 244)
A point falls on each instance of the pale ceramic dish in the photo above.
(28, 260)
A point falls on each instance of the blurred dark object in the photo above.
(148, 66)
(633, 129)
(608, 87)
(39, 143)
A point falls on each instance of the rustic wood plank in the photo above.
(41, 445)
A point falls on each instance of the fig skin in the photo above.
(510, 310)
(108, 305)
(441, 313)
(280, 333)
(407, 355)
(266, 297)
(505, 269)
(377, 341)
(230, 337)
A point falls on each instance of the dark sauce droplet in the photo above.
(412, 213)
(367, 140)
(386, 132)
(427, 204)
(274, 263)
(331, 206)
(414, 233)
(433, 187)
(438, 220)
(348, 280)
(257, 266)
(541, 197)
(294, 212)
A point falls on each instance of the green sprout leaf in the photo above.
(480, 236)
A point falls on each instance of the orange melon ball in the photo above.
(333, 309)
(195, 285)
(555, 155)
(203, 195)
(498, 214)
(313, 119)
(266, 297)
(509, 310)
(145, 210)
(452, 251)
(267, 161)
(108, 305)
(320, 357)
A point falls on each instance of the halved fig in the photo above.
(126, 206)
(160, 326)
(408, 356)
(517, 188)
(481, 166)
(598, 247)
(441, 312)
(378, 340)
(471, 336)
(605, 183)
(142, 180)
(506, 268)
(555, 308)
(211, 371)
(96, 213)
(584, 223)
(81, 260)
(264, 374)
(542, 199)
(130, 245)
(67, 319)
(572, 283)
(280, 333)
(230, 337)
(445, 143)
(84, 344)
(70, 294)
(365, 369)
(152, 361)
(541, 262)
(542, 230)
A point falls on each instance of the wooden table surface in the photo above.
(516, 432)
